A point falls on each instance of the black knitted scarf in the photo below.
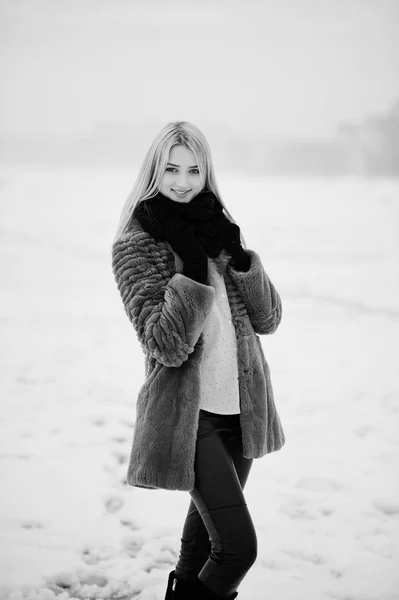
(204, 212)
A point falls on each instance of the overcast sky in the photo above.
(282, 67)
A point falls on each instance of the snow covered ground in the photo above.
(326, 506)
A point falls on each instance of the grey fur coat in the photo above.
(168, 311)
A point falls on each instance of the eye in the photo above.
(193, 171)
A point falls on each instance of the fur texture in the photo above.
(168, 310)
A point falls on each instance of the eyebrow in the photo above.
(173, 165)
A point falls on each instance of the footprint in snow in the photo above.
(95, 555)
(319, 484)
(313, 558)
(113, 504)
(127, 422)
(302, 508)
(26, 380)
(55, 430)
(130, 524)
(390, 403)
(94, 579)
(99, 421)
(121, 457)
(31, 524)
(72, 581)
(364, 430)
(159, 559)
(304, 512)
(164, 558)
(387, 507)
(132, 544)
(387, 458)
(336, 573)
(119, 439)
(297, 512)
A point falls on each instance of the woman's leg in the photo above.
(195, 544)
(218, 539)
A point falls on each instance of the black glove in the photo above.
(230, 237)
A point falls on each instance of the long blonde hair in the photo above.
(148, 182)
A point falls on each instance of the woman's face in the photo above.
(181, 174)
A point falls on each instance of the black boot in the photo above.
(179, 589)
(203, 592)
(170, 594)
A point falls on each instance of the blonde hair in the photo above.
(148, 182)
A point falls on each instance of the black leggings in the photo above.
(219, 542)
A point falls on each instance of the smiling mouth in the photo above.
(181, 193)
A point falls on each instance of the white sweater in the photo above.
(219, 367)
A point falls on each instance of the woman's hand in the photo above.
(229, 234)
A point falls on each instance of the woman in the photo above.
(197, 299)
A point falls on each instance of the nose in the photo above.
(182, 181)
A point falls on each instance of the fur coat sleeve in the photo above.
(261, 299)
(168, 314)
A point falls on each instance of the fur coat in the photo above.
(168, 311)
